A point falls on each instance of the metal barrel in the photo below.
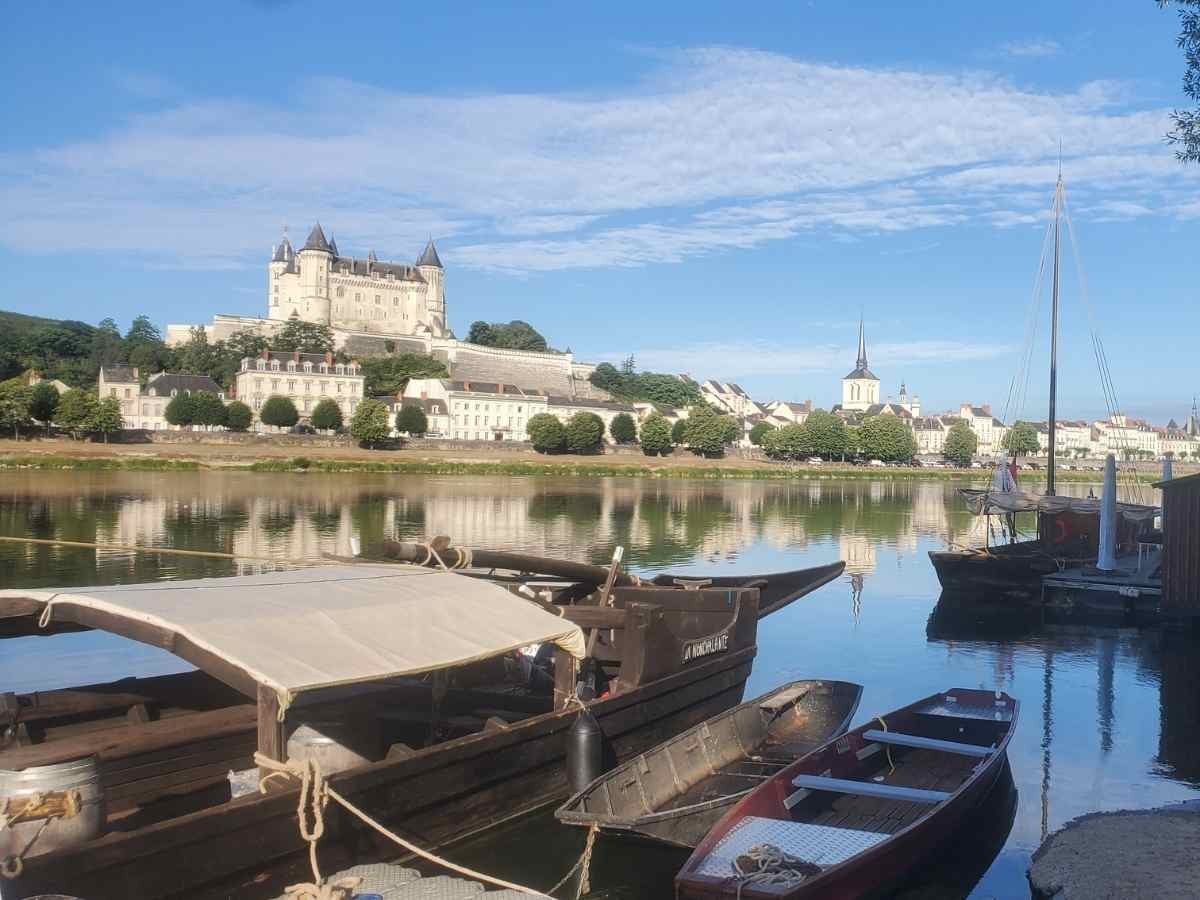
(61, 831)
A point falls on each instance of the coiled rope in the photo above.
(58, 805)
(765, 865)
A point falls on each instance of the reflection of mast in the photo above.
(856, 589)
(1104, 692)
(1047, 733)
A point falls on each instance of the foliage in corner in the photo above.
(1186, 135)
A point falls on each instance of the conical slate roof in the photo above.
(283, 252)
(333, 246)
(430, 256)
(316, 240)
(860, 367)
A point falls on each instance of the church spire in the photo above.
(862, 344)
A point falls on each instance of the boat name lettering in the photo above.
(717, 643)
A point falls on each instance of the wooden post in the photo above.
(606, 594)
(270, 729)
(565, 672)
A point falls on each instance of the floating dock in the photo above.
(1133, 588)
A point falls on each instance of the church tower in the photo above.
(430, 267)
(860, 389)
(314, 261)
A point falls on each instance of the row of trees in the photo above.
(514, 335)
(652, 387)
(705, 432)
(825, 435)
(76, 411)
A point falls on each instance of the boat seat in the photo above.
(824, 845)
(868, 789)
(924, 743)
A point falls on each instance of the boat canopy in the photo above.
(987, 502)
(313, 628)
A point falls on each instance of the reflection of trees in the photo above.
(1179, 708)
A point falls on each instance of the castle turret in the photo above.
(313, 261)
(282, 259)
(430, 267)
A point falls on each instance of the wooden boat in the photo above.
(856, 815)
(449, 743)
(676, 792)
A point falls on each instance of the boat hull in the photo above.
(1012, 573)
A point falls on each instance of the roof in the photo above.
(320, 627)
(586, 403)
(983, 502)
(354, 266)
(1183, 481)
(429, 257)
(283, 252)
(486, 387)
(120, 373)
(165, 382)
(316, 240)
(861, 372)
(285, 356)
(891, 409)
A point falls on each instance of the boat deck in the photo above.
(1134, 586)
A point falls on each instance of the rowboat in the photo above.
(856, 815)
(677, 791)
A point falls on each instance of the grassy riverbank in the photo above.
(70, 455)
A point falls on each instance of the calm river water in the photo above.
(1110, 716)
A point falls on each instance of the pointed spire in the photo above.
(333, 246)
(862, 344)
(282, 252)
(430, 256)
(316, 240)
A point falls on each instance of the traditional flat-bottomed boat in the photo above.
(677, 791)
(411, 679)
(857, 815)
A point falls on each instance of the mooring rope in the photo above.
(886, 747)
(584, 862)
(765, 865)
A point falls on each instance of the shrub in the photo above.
(960, 444)
(886, 438)
(547, 433)
(760, 431)
(43, 401)
(76, 411)
(327, 416)
(585, 433)
(678, 430)
(238, 416)
(207, 409)
(788, 442)
(623, 429)
(14, 408)
(279, 412)
(708, 432)
(181, 411)
(412, 420)
(656, 435)
(370, 425)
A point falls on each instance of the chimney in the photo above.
(987, 408)
(295, 356)
(266, 354)
(424, 394)
(329, 357)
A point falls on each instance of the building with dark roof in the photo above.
(860, 388)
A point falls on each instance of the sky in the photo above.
(717, 189)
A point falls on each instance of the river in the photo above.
(1110, 716)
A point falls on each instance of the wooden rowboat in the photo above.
(856, 815)
(676, 792)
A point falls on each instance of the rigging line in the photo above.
(1014, 404)
(1023, 397)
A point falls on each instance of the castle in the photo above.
(318, 284)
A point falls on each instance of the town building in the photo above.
(304, 378)
(860, 389)
(989, 431)
(930, 433)
(727, 398)
(123, 383)
(145, 406)
(789, 412)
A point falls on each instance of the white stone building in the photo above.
(988, 429)
(304, 378)
(791, 413)
(145, 406)
(930, 433)
(123, 383)
(860, 389)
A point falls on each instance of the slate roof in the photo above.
(165, 382)
(487, 387)
(120, 373)
(353, 266)
(316, 240)
(894, 409)
(585, 403)
(861, 372)
(283, 251)
(430, 256)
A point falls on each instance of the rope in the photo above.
(765, 865)
(161, 551)
(315, 793)
(12, 866)
(584, 861)
(887, 747)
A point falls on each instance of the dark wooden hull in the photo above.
(904, 842)
(1013, 572)
(674, 795)
(776, 590)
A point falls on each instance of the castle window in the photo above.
(291, 365)
(377, 300)
(274, 365)
(307, 367)
(357, 297)
(395, 301)
(341, 291)
(262, 365)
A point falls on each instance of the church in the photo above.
(860, 390)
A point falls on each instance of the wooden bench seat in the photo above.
(809, 783)
(925, 743)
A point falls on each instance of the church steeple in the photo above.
(862, 345)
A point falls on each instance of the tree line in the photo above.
(627, 383)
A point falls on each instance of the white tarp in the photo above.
(317, 627)
(982, 502)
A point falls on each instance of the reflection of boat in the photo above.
(411, 673)
(676, 792)
(576, 581)
(861, 812)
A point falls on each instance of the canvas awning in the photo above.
(318, 627)
(985, 502)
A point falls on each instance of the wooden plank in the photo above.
(924, 743)
(868, 789)
(271, 742)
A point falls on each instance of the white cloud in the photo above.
(1033, 47)
(720, 148)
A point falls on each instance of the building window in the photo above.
(274, 365)
(291, 386)
(274, 384)
(378, 300)
(307, 367)
(262, 365)
(341, 292)
(291, 365)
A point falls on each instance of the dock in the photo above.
(1133, 588)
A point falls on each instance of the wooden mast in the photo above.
(1058, 190)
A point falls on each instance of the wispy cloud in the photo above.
(719, 149)
(1035, 47)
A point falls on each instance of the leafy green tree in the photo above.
(370, 424)
(76, 411)
(43, 402)
(623, 429)
(651, 387)
(887, 438)
(481, 333)
(307, 337)
(327, 416)
(656, 435)
(207, 409)
(679, 432)
(412, 420)
(14, 407)
(707, 432)
(960, 444)
(827, 434)
(389, 375)
(180, 411)
(585, 433)
(514, 335)
(198, 356)
(279, 412)
(238, 416)
(1187, 121)
(144, 346)
(760, 431)
(1021, 439)
(106, 418)
(791, 442)
(547, 433)
(107, 347)
(229, 353)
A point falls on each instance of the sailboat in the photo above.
(1068, 528)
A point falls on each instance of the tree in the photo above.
(370, 425)
(389, 375)
(198, 356)
(280, 412)
(307, 337)
(827, 434)
(207, 409)
(76, 411)
(43, 402)
(760, 431)
(656, 435)
(481, 333)
(678, 431)
(547, 433)
(238, 416)
(1187, 121)
(515, 335)
(585, 433)
(106, 418)
(144, 346)
(181, 411)
(887, 438)
(650, 387)
(107, 347)
(623, 429)
(789, 442)
(412, 420)
(1021, 439)
(327, 416)
(14, 407)
(708, 432)
(960, 445)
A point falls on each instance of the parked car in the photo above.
(815, 460)
(876, 462)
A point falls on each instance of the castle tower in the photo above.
(314, 261)
(860, 389)
(430, 267)
(283, 258)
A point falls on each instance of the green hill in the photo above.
(58, 348)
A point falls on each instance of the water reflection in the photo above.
(1110, 716)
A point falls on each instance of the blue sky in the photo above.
(717, 189)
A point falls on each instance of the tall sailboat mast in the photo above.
(1052, 425)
